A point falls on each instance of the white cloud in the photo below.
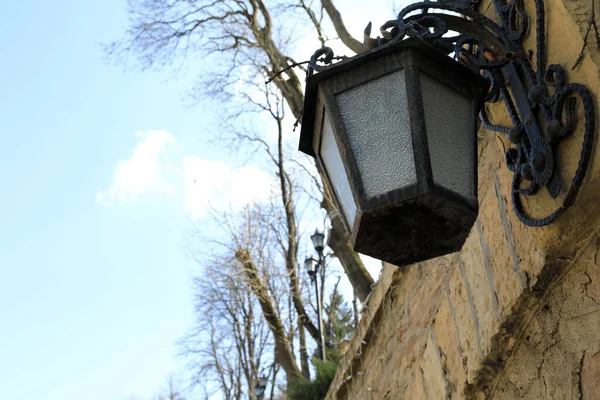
(197, 183)
(216, 184)
(142, 172)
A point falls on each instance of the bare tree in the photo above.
(286, 233)
(260, 250)
(171, 390)
(242, 331)
(242, 36)
(231, 345)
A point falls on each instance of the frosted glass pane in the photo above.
(330, 155)
(450, 135)
(376, 119)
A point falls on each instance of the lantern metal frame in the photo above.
(496, 52)
(311, 265)
(318, 241)
(435, 220)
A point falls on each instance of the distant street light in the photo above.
(312, 268)
(318, 238)
(260, 387)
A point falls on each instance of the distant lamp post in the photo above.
(260, 387)
(394, 129)
(312, 268)
(318, 239)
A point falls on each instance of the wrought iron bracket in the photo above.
(540, 120)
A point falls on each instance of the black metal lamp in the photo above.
(318, 239)
(311, 266)
(393, 129)
(260, 387)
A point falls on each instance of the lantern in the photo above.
(318, 239)
(393, 131)
(311, 266)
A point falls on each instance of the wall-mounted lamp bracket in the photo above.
(540, 120)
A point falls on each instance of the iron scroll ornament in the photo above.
(496, 51)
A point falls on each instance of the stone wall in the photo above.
(515, 314)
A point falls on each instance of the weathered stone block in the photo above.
(467, 322)
(517, 314)
(434, 376)
(476, 270)
(590, 377)
(446, 332)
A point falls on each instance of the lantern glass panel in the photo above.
(318, 239)
(375, 117)
(450, 136)
(311, 265)
(330, 154)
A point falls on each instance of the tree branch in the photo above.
(340, 27)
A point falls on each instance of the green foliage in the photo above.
(304, 389)
(340, 320)
(339, 326)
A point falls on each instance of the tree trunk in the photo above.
(291, 252)
(340, 27)
(291, 89)
(303, 352)
(355, 308)
(283, 352)
(339, 242)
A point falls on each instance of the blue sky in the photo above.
(92, 297)
(97, 171)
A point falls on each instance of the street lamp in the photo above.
(260, 387)
(318, 239)
(312, 268)
(394, 129)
